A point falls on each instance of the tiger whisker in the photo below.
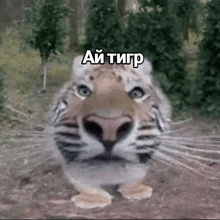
(22, 134)
(180, 153)
(167, 163)
(170, 160)
(72, 149)
(24, 140)
(197, 137)
(174, 131)
(182, 122)
(203, 144)
(183, 147)
(187, 155)
(171, 150)
(195, 143)
(165, 157)
(139, 151)
(33, 154)
(25, 135)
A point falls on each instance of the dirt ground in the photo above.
(32, 184)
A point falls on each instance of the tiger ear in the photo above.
(145, 69)
(79, 69)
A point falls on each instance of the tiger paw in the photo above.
(136, 191)
(89, 201)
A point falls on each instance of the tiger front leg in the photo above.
(135, 191)
(90, 197)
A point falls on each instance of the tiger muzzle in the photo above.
(108, 130)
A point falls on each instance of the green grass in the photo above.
(21, 67)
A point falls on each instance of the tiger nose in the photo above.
(108, 129)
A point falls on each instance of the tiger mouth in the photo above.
(106, 157)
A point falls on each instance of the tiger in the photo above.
(107, 123)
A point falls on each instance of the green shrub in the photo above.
(47, 21)
(207, 80)
(104, 29)
(157, 35)
(150, 31)
(48, 28)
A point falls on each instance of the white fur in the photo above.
(99, 174)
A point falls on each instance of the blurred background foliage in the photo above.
(157, 35)
(167, 32)
(207, 80)
(104, 27)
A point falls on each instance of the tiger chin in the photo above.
(106, 125)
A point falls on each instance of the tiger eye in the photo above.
(83, 90)
(136, 93)
(91, 78)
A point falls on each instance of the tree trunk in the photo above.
(74, 36)
(121, 7)
(185, 30)
(44, 67)
(2, 10)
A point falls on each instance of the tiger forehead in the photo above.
(117, 72)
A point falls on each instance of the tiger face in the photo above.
(108, 122)
(110, 113)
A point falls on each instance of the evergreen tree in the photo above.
(104, 28)
(48, 30)
(207, 82)
(188, 12)
(156, 34)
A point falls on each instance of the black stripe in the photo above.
(68, 135)
(71, 88)
(55, 109)
(69, 156)
(152, 119)
(158, 124)
(60, 111)
(64, 119)
(69, 125)
(142, 147)
(57, 106)
(146, 127)
(60, 119)
(143, 158)
(146, 137)
(62, 144)
(64, 101)
(155, 106)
